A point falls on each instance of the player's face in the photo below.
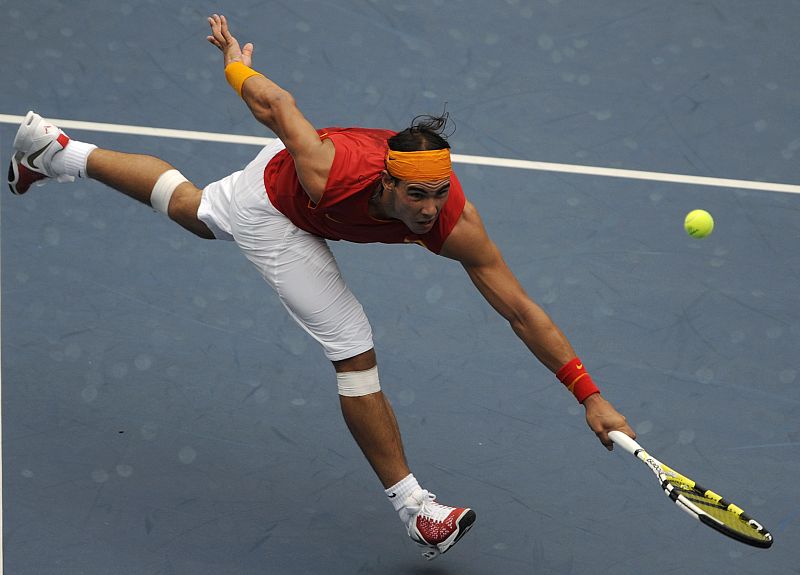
(417, 204)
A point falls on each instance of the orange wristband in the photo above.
(236, 73)
(574, 377)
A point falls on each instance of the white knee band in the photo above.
(163, 190)
(358, 383)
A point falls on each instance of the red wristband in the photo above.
(574, 377)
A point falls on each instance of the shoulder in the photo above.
(469, 227)
(469, 242)
(376, 136)
(356, 146)
(357, 161)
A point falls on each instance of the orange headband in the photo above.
(425, 165)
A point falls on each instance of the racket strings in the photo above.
(728, 515)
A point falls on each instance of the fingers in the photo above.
(216, 37)
(215, 23)
(607, 442)
(626, 429)
(225, 31)
(222, 38)
(219, 30)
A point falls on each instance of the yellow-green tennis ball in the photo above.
(698, 223)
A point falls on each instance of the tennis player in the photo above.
(309, 186)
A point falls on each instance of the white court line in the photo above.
(766, 445)
(458, 158)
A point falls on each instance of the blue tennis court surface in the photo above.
(163, 415)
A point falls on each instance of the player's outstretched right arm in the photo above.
(276, 109)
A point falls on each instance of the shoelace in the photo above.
(424, 496)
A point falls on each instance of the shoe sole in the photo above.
(14, 165)
(464, 524)
(13, 178)
(17, 171)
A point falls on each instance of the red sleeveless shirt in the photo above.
(343, 211)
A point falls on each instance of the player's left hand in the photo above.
(602, 418)
(221, 38)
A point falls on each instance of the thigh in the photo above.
(310, 285)
(302, 270)
(305, 275)
(215, 206)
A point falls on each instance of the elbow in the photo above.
(518, 325)
(528, 320)
(267, 105)
(279, 98)
(516, 318)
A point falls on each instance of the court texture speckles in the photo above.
(161, 414)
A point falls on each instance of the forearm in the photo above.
(542, 336)
(271, 105)
(469, 244)
(276, 109)
(529, 321)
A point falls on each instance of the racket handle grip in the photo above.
(624, 442)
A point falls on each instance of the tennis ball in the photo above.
(698, 223)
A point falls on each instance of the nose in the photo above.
(429, 208)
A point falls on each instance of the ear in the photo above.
(387, 180)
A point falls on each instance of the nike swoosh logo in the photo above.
(393, 495)
(34, 156)
(579, 366)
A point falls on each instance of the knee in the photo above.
(358, 376)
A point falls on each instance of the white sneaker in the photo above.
(36, 142)
(435, 526)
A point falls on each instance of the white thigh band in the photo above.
(162, 191)
(358, 383)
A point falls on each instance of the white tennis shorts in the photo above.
(298, 265)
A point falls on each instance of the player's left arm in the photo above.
(469, 244)
(276, 108)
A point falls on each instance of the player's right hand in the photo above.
(602, 418)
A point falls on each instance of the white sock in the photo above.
(399, 493)
(71, 161)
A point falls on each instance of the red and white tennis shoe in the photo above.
(435, 526)
(35, 144)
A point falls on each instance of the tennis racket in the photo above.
(699, 502)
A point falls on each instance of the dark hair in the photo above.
(425, 133)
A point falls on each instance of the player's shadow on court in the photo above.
(443, 568)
